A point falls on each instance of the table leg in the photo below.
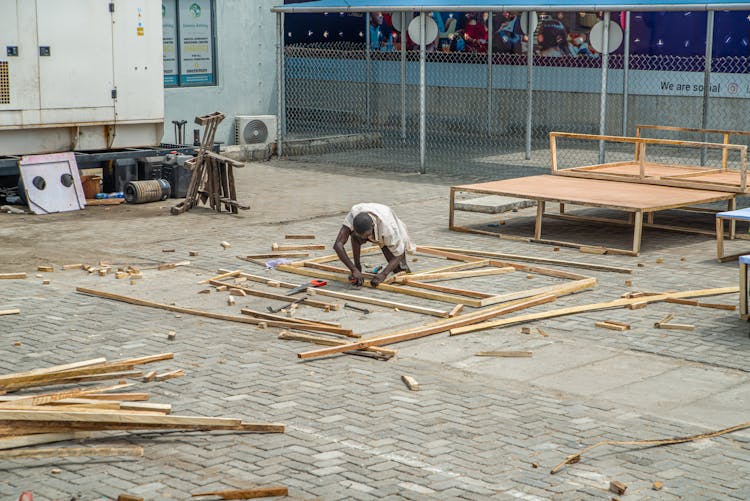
(637, 231)
(743, 290)
(451, 208)
(539, 214)
(562, 208)
(719, 238)
(732, 205)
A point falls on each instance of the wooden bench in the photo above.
(732, 216)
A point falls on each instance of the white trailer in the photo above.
(78, 75)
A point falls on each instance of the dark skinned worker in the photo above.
(376, 223)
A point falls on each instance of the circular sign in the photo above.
(596, 37)
(525, 21)
(431, 30)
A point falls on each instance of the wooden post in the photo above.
(539, 214)
(732, 205)
(724, 152)
(743, 290)
(719, 238)
(637, 230)
(553, 151)
(451, 208)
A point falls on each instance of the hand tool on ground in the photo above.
(377, 269)
(276, 310)
(357, 308)
(312, 283)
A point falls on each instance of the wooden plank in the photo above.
(453, 275)
(42, 438)
(618, 303)
(456, 310)
(334, 257)
(137, 397)
(281, 318)
(269, 255)
(130, 420)
(136, 451)
(222, 276)
(280, 297)
(680, 327)
(327, 341)
(449, 290)
(299, 237)
(12, 276)
(410, 382)
(305, 326)
(280, 248)
(504, 354)
(611, 326)
(11, 311)
(459, 267)
(260, 492)
(422, 331)
(556, 290)
(386, 287)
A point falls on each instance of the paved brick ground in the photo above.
(354, 431)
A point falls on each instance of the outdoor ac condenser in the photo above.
(255, 129)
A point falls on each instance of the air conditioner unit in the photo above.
(255, 129)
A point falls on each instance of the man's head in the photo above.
(363, 226)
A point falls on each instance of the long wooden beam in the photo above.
(422, 331)
(557, 290)
(48, 370)
(618, 303)
(279, 297)
(540, 260)
(130, 421)
(453, 275)
(12, 311)
(42, 438)
(327, 341)
(190, 311)
(133, 450)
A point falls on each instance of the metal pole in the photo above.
(529, 74)
(367, 67)
(625, 75)
(422, 92)
(707, 78)
(489, 73)
(603, 95)
(404, 39)
(280, 112)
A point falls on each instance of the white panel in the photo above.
(78, 73)
(51, 194)
(15, 18)
(138, 63)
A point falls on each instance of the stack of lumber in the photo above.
(78, 412)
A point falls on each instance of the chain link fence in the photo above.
(364, 107)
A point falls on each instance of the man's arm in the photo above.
(392, 264)
(338, 246)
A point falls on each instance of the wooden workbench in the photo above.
(635, 199)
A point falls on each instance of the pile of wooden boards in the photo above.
(212, 181)
(76, 413)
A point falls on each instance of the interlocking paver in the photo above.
(353, 430)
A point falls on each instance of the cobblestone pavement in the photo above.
(474, 430)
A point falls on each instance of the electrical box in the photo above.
(80, 75)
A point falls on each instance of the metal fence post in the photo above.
(707, 78)
(529, 73)
(489, 74)
(625, 74)
(280, 111)
(367, 67)
(403, 76)
(422, 92)
(603, 95)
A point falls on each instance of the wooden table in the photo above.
(635, 199)
(732, 216)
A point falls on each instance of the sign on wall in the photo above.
(169, 23)
(196, 43)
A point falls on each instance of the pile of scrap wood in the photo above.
(80, 412)
(212, 179)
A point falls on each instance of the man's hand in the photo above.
(377, 280)
(356, 278)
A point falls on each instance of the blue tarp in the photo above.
(519, 5)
